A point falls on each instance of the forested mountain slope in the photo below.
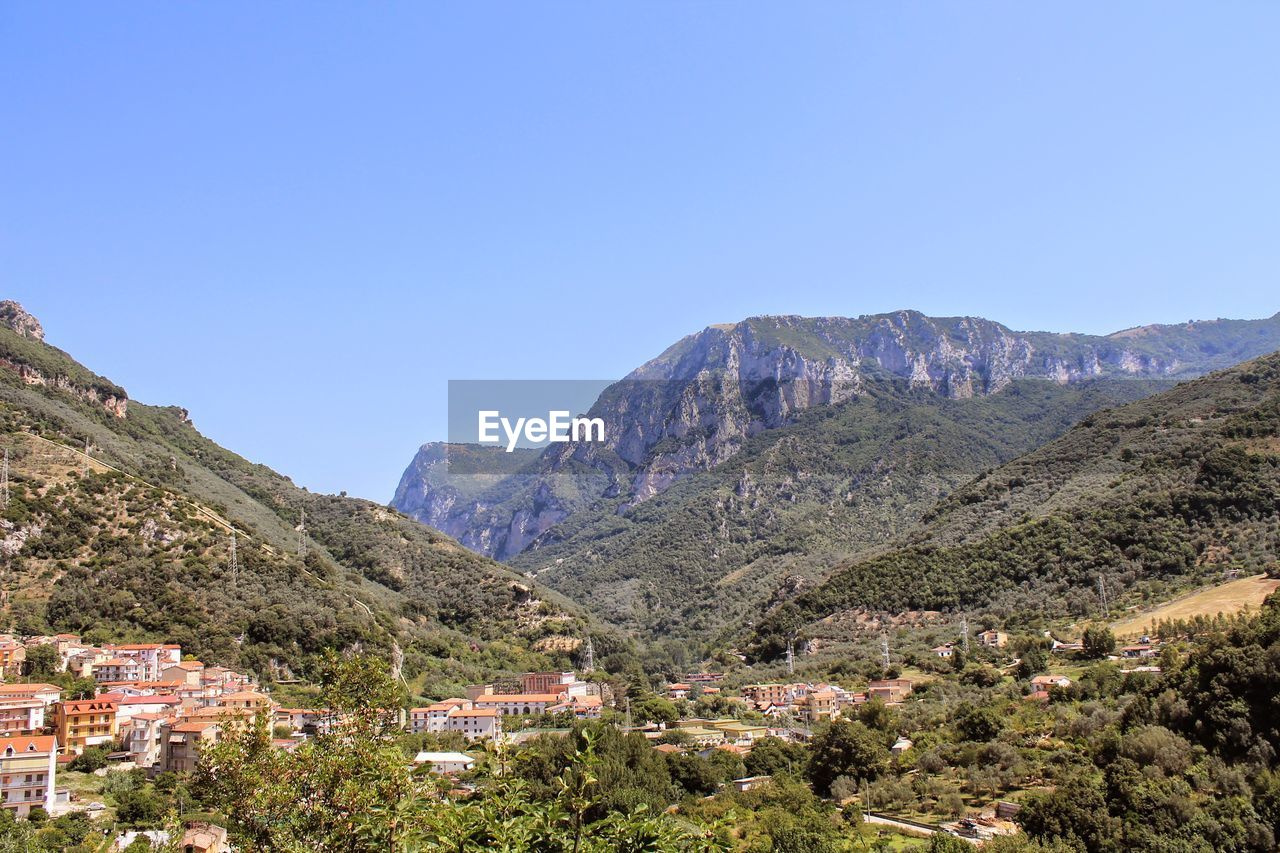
(708, 554)
(698, 403)
(135, 540)
(1151, 497)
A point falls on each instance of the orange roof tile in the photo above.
(82, 706)
(42, 743)
(193, 726)
(25, 689)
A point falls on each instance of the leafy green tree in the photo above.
(978, 722)
(876, 714)
(351, 789)
(81, 688)
(693, 774)
(846, 748)
(141, 807)
(1075, 812)
(93, 758)
(771, 756)
(42, 661)
(1032, 662)
(656, 710)
(1098, 642)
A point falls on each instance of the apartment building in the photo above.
(890, 690)
(116, 670)
(181, 742)
(21, 717)
(142, 738)
(84, 723)
(152, 658)
(46, 693)
(475, 723)
(12, 654)
(28, 766)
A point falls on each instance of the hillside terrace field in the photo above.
(1227, 598)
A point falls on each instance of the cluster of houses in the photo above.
(157, 708)
(479, 715)
(807, 703)
(991, 639)
(158, 711)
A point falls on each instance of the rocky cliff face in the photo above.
(15, 317)
(36, 363)
(693, 406)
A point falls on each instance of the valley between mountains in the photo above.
(749, 463)
(828, 585)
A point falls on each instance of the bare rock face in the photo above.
(16, 317)
(694, 406)
(13, 316)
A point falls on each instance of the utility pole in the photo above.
(234, 563)
(87, 451)
(302, 535)
(4, 481)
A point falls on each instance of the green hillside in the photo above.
(1152, 497)
(134, 541)
(709, 553)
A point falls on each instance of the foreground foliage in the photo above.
(352, 789)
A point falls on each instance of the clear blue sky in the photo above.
(300, 220)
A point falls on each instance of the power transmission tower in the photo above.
(234, 564)
(964, 632)
(791, 656)
(302, 536)
(1102, 593)
(884, 648)
(4, 480)
(626, 701)
(588, 656)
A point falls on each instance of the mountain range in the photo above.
(1131, 504)
(746, 461)
(773, 478)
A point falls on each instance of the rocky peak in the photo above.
(695, 405)
(16, 317)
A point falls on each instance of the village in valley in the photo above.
(147, 707)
